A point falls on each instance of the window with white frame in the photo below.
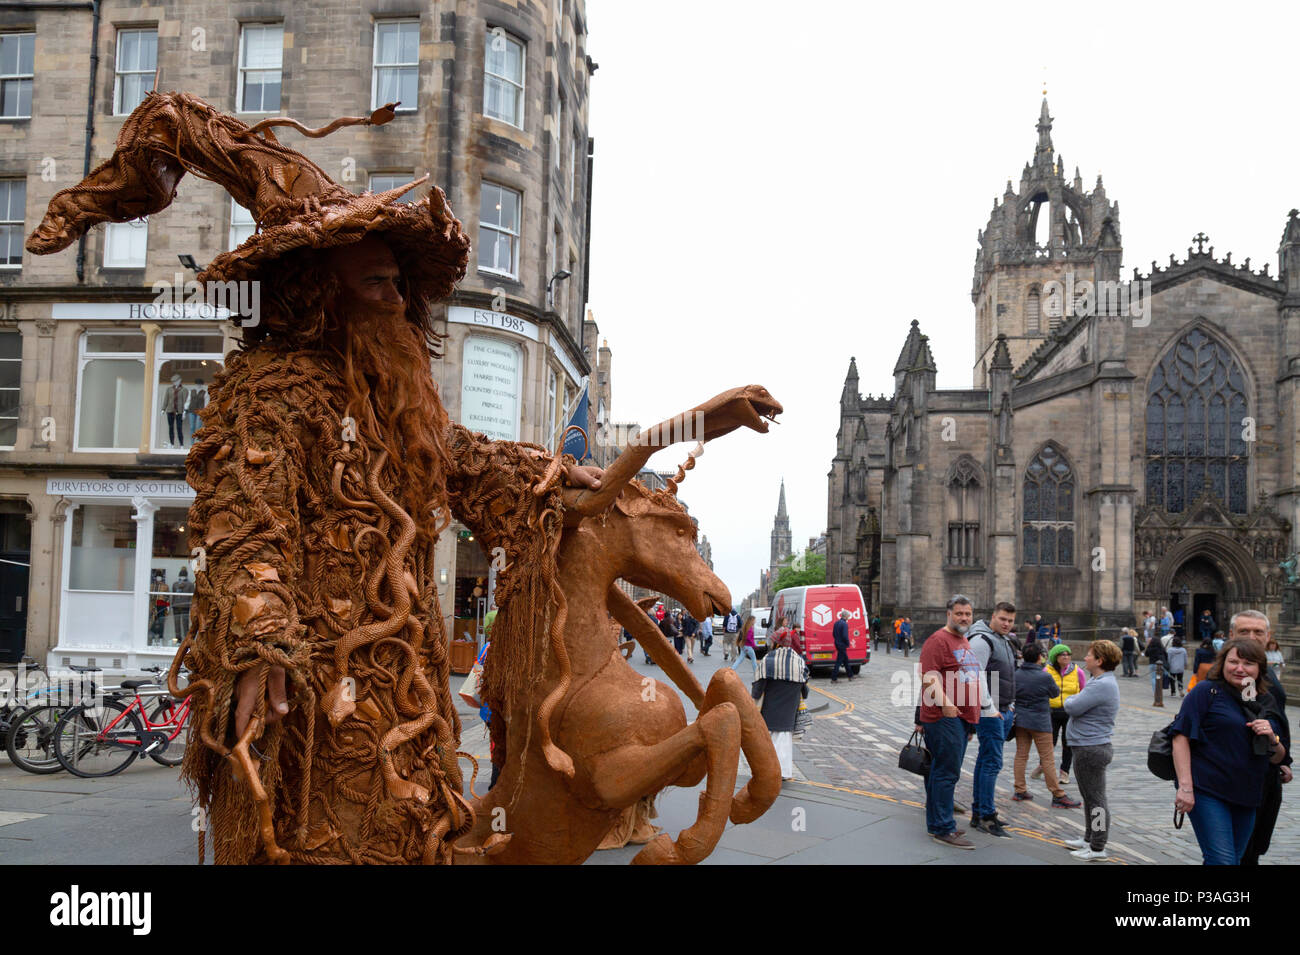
(552, 407)
(396, 77)
(102, 556)
(242, 225)
(261, 56)
(137, 65)
(11, 374)
(110, 391)
(126, 244)
(17, 69)
(503, 78)
(186, 362)
(498, 230)
(382, 182)
(13, 210)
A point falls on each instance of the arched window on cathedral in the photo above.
(1048, 524)
(1033, 311)
(963, 514)
(1196, 404)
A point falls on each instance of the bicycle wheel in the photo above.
(164, 711)
(30, 740)
(93, 742)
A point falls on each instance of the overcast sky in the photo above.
(778, 187)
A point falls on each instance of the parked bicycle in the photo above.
(103, 738)
(28, 726)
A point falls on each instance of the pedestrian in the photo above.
(781, 681)
(1217, 641)
(650, 612)
(1179, 622)
(745, 645)
(1031, 633)
(1070, 679)
(840, 633)
(1033, 725)
(1156, 655)
(1056, 633)
(659, 612)
(905, 636)
(1092, 714)
(668, 627)
(706, 634)
(991, 643)
(689, 626)
(950, 711)
(1177, 654)
(876, 635)
(1253, 625)
(730, 634)
(1129, 647)
(1166, 625)
(1273, 652)
(1205, 625)
(1148, 626)
(1224, 747)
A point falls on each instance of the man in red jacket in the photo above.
(950, 713)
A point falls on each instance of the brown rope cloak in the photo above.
(310, 563)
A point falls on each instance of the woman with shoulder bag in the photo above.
(1223, 746)
(782, 681)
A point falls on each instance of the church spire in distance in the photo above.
(781, 513)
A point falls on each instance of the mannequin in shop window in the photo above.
(173, 404)
(181, 596)
(158, 607)
(198, 397)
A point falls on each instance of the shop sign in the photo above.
(486, 318)
(115, 487)
(490, 386)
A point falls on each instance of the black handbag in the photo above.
(1160, 754)
(915, 758)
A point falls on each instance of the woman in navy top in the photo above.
(1222, 749)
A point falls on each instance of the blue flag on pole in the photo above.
(573, 442)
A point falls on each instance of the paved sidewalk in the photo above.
(849, 804)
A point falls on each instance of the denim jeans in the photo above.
(992, 734)
(741, 653)
(1222, 828)
(946, 740)
(1130, 664)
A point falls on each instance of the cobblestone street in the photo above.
(854, 745)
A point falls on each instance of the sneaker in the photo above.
(1076, 843)
(1022, 797)
(1065, 802)
(1063, 776)
(954, 840)
(1088, 854)
(1038, 771)
(993, 827)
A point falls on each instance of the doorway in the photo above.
(15, 560)
(1197, 586)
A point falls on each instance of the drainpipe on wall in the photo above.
(90, 124)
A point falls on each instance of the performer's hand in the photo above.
(583, 475)
(1286, 774)
(246, 697)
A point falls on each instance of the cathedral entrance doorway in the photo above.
(1198, 585)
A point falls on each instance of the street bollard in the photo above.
(1160, 683)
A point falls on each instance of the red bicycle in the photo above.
(103, 738)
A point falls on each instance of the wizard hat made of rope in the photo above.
(294, 203)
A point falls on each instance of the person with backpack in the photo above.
(991, 642)
(1033, 725)
(1177, 655)
(1092, 713)
(730, 634)
(1224, 745)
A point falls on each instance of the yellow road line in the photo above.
(848, 707)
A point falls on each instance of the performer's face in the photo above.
(368, 273)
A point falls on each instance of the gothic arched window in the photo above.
(1196, 406)
(1048, 522)
(963, 514)
(1033, 312)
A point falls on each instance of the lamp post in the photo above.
(559, 276)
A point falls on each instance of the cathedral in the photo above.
(1128, 443)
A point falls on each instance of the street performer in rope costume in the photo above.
(326, 467)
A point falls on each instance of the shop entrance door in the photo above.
(15, 560)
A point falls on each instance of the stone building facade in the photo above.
(1104, 463)
(493, 98)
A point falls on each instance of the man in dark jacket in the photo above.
(840, 632)
(1128, 644)
(1156, 654)
(1253, 625)
(991, 642)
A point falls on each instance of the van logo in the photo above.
(821, 615)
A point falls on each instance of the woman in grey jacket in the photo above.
(1034, 726)
(1092, 714)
